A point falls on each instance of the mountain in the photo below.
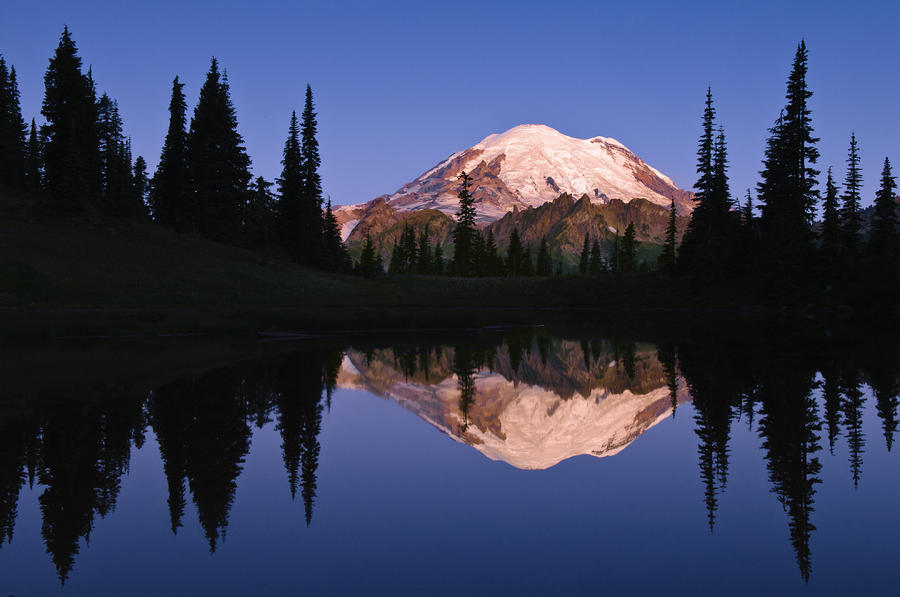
(528, 178)
(564, 222)
(528, 166)
(531, 410)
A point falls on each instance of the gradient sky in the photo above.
(401, 85)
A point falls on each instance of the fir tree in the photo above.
(71, 148)
(140, 185)
(615, 261)
(666, 259)
(544, 263)
(831, 226)
(218, 168)
(310, 233)
(395, 266)
(709, 239)
(514, 255)
(33, 161)
(437, 267)
(168, 193)
(290, 193)
(585, 255)
(115, 161)
(885, 227)
(464, 233)
(700, 228)
(787, 192)
(493, 264)
(368, 261)
(335, 251)
(527, 266)
(596, 262)
(851, 215)
(259, 215)
(423, 253)
(12, 131)
(628, 260)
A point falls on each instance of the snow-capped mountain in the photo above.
(533, 415)
(528, 166)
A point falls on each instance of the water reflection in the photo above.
(530, 400)
(526, 397)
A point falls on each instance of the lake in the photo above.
(531, 460)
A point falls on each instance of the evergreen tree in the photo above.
(217, 165)
(464, 233)
(168, 192)
(71, 148)
(310, 233)
(527, 266)
(259, 215)
(12, 131)
(335, 251)
(423, 253)
(585, 255)
(515, 255)
(493, 264)
(379, 264)
(747, 216)
(700, 229)
(710, 237)
(115, 161)
(290, 193)
(140, 185)
(479, 256)
(666, 259)
(851, 215)
(437, 267)
(885, 227)
(787, 191)
(404, 257)
(831, 226)
(395, 264)
(628, 260)
(544, 263)
(615, 261)
(596, 263)
(33, 161)
(368, 264)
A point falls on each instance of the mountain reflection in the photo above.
(525, 397)
(530, 400)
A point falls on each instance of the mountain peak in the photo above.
(532, 164)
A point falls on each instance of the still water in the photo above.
(523, 461)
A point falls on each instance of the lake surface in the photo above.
(517, 461)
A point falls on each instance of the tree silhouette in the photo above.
(168, 192)
(787, 191)
(71, 145)
(217, 165)
(464, 232)
(851, 218)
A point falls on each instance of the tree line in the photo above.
(476, 253)
(79, 163)
(777, 238)
(801, 393)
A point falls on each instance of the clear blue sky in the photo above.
(400, 85)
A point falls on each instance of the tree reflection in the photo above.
(797, 389)
(303, 376)
(464, 367)
(85, 449)
(790, 427)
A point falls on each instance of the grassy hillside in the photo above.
(105, 277)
